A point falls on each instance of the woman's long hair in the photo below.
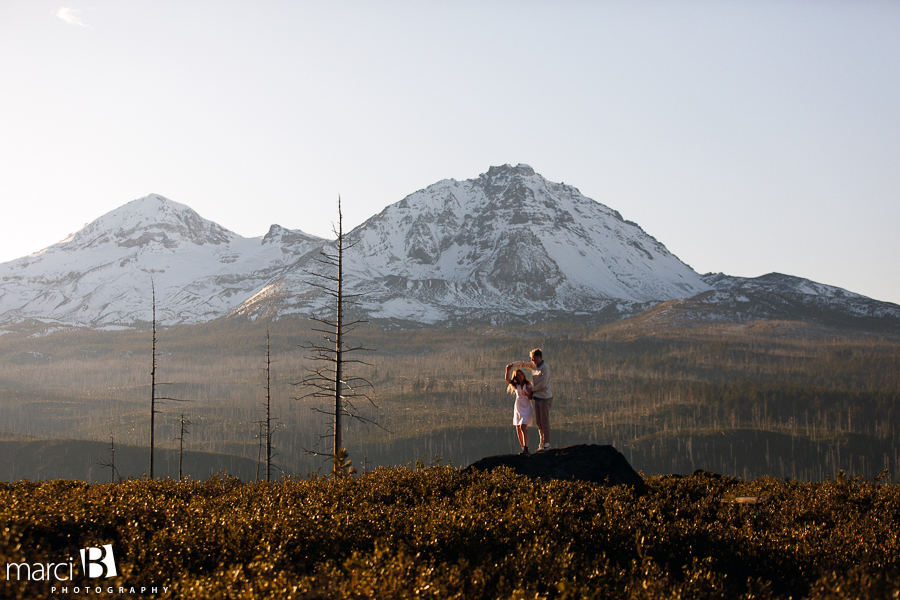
(511, 388)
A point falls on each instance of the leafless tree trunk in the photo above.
(266, 428)
(268, 408)
(184, 430)
(330, 380)
(111, 463)
(259, 448)
(153, 382)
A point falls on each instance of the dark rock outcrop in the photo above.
(586, 462)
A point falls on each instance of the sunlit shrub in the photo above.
(434, 531)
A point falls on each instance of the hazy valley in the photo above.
(787, 399)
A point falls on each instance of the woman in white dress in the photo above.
(523, 413)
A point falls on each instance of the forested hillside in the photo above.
(783, 399)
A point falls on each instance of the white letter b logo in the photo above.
(99, 562)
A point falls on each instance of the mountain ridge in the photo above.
(102, 274)
(507, 246)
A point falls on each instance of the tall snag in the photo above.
(111, 463)
(266, 427)
(153, 383)
(180, 438)
(330, 378)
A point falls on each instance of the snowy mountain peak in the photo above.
(102, 275)
(510, 241)
(506, 170)
(153, 221)
(290, 238)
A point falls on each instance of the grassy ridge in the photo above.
(439, 532)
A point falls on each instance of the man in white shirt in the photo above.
(543, 396)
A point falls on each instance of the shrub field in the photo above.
(433, 531)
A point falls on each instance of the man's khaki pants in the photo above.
(542, 419)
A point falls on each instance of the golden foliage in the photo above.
(442, 533)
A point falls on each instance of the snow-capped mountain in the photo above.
(778, 296)
(102, 275)
(506, 246)
(775, 297)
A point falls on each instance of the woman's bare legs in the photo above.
(522, 434)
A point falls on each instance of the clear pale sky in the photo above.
(748, 137)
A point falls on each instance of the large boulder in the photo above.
(585, 462)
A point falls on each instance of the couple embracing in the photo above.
(539, 390)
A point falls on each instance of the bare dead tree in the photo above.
(266, 426)
(153, 383)
(184, 430)
(268, 421)
(268, 407)
(111, 463)
(259, 447)
(330, 378)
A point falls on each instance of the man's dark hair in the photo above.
(537, 352)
